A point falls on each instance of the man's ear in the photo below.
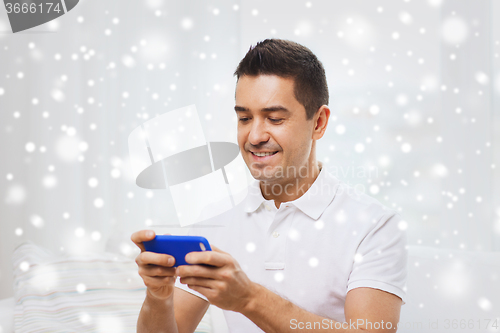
(320, 122)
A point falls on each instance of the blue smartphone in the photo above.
(177, 246)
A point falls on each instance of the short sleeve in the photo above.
(381, 258)
(179, 285)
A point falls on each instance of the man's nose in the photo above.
(258, 133)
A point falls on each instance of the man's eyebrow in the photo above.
(268, 109)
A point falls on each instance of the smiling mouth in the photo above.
(263, 154)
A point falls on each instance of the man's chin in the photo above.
(264, 174)
(268, 179)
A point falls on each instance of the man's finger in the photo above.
(158, 259)
(156, 271)
(158, 281)
(139, 237)
(212, 258)
(197, 271)
(207, 292)
(201, 282)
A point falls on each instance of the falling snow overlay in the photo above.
(415, 123)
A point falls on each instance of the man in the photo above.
(304, 252)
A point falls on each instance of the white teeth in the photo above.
(263, 154)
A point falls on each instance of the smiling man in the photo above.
(303, 251)
(276, 135)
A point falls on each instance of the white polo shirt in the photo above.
(312, 250)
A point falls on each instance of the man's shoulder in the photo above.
(354, 201)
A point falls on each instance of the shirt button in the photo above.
(267, 207)
(276, 234)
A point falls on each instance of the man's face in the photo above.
(272, 122)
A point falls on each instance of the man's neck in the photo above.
(293, 187)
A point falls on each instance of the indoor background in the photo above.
(414, 98)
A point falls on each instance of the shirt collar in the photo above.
(312, 203)
(254, 197)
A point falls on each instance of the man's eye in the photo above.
(243, 119)
(275, 120)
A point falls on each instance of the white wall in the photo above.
(366, 67)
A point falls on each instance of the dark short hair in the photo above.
(288, 59)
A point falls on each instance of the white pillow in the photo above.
(91, 293)
(7, 315)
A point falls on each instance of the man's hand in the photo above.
(224, 284)
(155, 268)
